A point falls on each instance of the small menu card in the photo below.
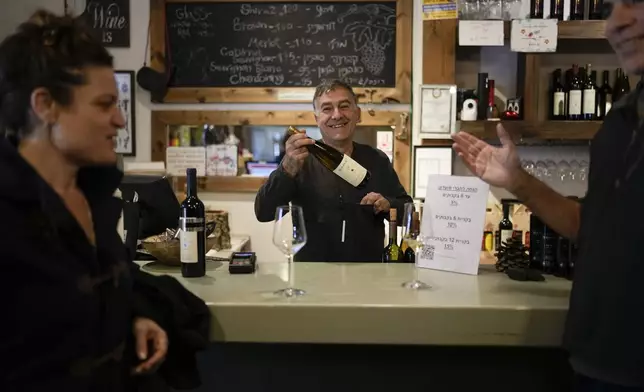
(534, 35)
(452, 223)
(480, 33)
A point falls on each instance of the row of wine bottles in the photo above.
(597, 10)
(403, 253)
(575, 95)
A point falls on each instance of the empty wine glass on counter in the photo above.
(289, 236)
(415, 238)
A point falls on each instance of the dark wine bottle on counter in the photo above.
(575, 95)
(618, 88)
(506, 229)
(576, 9)
(192, 223)
(626, 85)
(605, 96)
(536, 242)
(558, 97)
(596, 10)
(550, 239)
(392, 252)
(589, 98)
(340, 164)
(409, 255)
(557, 9)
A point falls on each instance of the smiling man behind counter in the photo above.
(331, 204)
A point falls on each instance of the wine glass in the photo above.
(412, 235)
(289, 236)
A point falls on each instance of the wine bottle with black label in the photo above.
(392, 252)
(506, 229)
(341, 164)
(192, 223)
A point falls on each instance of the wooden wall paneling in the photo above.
(401, 93)
(529, 65)
(439, 51)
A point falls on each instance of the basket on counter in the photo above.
(168, 252)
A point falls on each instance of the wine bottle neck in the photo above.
(345, 146)
(191, 185)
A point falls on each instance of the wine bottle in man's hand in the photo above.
(341, 164)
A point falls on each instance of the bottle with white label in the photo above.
(575, 95)
(192, 237)
(505, 226)
(558, 97)
(340, 164)
(589, 110)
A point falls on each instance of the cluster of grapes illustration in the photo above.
(370, 38)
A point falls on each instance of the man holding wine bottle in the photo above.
(345, 188)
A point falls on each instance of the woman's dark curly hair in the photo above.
(47, 51)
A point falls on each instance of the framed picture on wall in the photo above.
(126, 138)
(430, 160)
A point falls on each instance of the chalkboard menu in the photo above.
(109, 20)
(282, 44)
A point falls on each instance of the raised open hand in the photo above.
(498, 166)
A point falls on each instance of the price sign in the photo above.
(452, 223)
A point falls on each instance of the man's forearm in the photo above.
(558, 212)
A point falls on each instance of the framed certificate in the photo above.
(437, 111)
(430, 160)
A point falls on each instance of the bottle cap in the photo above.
(191, 171)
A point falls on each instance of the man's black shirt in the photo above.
(327, 200)
(605, 326)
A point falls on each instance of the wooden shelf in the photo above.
(573, 29)
(543, 130)
(241, 184)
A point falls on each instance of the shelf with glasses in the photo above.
(540, 130)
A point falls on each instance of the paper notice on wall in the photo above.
(439, 9)
(178, 159)
(480, 33)
(452, 223)
(534, 35)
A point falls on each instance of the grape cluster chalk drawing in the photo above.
(125, 140)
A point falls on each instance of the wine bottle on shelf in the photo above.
(617, 87)
(492, 110)
(558, 97)
(192, 237)
(341, 164)
(392, 252)
(626, 85)
(536, 9)
(589, 98)
(576, 9)
(575, 95)
(557, 9)
(506, 228)
(567, 79)
(605, 95)
(596, 10)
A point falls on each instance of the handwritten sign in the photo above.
(452, 223)
(480, 33)
(110, 21)
(178, 159)
(266, 44)
(534, 35)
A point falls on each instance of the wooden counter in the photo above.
(365, 304)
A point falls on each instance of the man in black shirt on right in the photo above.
(605, 327)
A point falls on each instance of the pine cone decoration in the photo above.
(512, 254)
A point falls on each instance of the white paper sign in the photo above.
(534, 35)
(178, 159)
(480, 33)
(452, 223)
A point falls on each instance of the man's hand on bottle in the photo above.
(498, 166)
(296, 153)
(379, 202)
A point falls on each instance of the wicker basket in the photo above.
(222, 229)
(169, 252)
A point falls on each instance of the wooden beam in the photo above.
(538, 130)
(439, 51)
(529, 65)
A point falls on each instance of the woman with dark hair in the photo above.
(68, 310)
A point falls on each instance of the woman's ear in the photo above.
(44, 106)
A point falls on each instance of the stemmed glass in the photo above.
(411, 224)
(289, 236)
